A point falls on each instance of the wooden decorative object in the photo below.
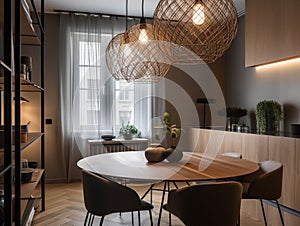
(141, 57)
(206, 27)
(155, 154)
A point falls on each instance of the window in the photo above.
(89, 74)
(124, 91)
(124, 116)
(103, 102)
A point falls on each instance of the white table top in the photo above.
(133, 165)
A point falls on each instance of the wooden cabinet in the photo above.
(260, 148)
(272, 31)
(231, 143)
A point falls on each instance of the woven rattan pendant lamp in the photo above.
(141, 57)
(112, 53)
(206, 27)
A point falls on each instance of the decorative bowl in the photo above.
(108, 137)
(33, 164)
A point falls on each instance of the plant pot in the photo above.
(127, 136)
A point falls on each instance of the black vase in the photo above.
(173, 154)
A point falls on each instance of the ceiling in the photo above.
(112, 6)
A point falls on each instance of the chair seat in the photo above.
(146, 205)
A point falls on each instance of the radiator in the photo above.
(117, 145)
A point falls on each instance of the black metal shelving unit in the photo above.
(7, 111)
(16, 208)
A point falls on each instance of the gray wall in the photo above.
(31, 111)
(245, 87)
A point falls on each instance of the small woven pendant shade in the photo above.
(141, 56)
(206, 27)
(112, 56)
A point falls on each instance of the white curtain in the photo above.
(92, 102)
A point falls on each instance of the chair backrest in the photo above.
(207, 204)
(268, 184)
(102, 196)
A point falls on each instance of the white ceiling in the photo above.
(112, 6)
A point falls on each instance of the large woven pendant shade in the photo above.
(142, 58)
(206, 27)
(112, 56)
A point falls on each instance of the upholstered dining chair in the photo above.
(103, 197)
(206, 204)
(264, 184)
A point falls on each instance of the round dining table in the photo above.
(192, 167)
(133, 165)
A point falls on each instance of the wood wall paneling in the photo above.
(272, 31)
(254, 148)
(282, 149)
(297, 177)
(260, 148)
(232, 142)
(204, 139)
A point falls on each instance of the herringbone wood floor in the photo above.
(65, 206)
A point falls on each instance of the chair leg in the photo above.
(132, 218)
(161, 204)
(86, 218)
(151, 194)
(279, 210)
(139, 217)
(263, 211)
(101, 222)
(90, 219)
(170, 220)
(239, 221)
(150, 214)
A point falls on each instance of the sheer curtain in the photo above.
(92, 102)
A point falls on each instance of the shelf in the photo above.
(26, 85)
(32, 137)
(26, 208)
(28, 188)
(3, 65)
(30, 40)
(28, 33)
(4, 170)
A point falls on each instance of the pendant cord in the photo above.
(126, 15)
(143, 2)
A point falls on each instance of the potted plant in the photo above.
(128, 131)
(268, 116)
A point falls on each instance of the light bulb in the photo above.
(143, 38)
(198, 14)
